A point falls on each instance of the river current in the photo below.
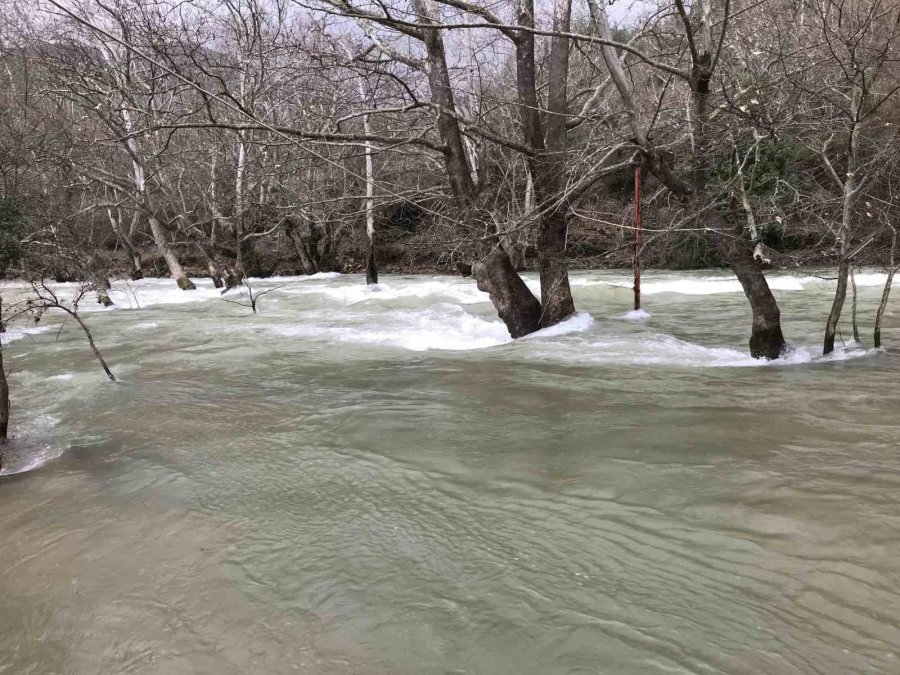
(377, 481)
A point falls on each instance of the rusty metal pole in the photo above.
(637, 237)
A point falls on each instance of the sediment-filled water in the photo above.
(380, 481)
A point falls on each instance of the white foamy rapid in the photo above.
(667, 350)
(425, 313)
(442, 326)
(449, 289)
(635, 315)
(655, 284)
(18, 333)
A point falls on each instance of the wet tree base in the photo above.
(767, 343)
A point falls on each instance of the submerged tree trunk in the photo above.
(301, 246)
(175, 268)
(840, 293)
(213, 267)
(101, 281)
(885, 294)
(515, 303)
(848, 198)
(853, 314)
(4, 406)
(837, 305)
(371, 262)
(137, 267)
(548, 166)
(766, 339)
(371, 266)
(103, 295)
(214, 273)
(556, 295)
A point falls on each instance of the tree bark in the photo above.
(849, 190)
(513, 300)
(369, 203)
(766, 339)
(885, 294)
(175, 268)
(4, 406)
(853, 314)
(301, 246)
(371, 266)
(548, 166)
(837, 305)
(556, 295)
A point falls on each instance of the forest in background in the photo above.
(257, 137)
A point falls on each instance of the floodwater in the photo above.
(379, 481)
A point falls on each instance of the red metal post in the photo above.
(637, 236)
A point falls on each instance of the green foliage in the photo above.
(763, 170)
(12, 229)
(622, 35)
(768, 171)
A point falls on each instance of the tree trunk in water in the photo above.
(882, 306)
(231, 279)
(4, 406)
(766, 339)
(103, 297)
(853, 313)
(549, 164)
(513, 300)
(175, 269)
(212, 263)
(301, 246)
(885, 294)
(214, 274)
(371, 267)
(556, 295)
(102, 286)
(137, 267)
(840, 295)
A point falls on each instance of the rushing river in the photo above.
(380, 481)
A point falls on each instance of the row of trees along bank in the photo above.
(211, 130)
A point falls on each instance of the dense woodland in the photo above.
(255, 137)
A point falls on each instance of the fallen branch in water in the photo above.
(253, 297)
(45, 298)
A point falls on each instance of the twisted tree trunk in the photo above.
(515, 303)
(766, 339)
